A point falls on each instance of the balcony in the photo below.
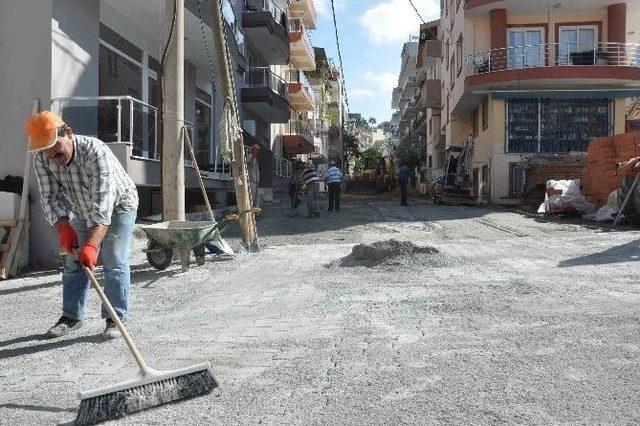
(306, 10)
(300, 97)
(611, 63)
(266, 95)
(302, 53)
(265, 25)
(433, 49)
(432, 94)
(129, 128)
(297, 138)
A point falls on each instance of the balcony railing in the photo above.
(300, 129)
(267, 6)
(113, 119)
(296, 25)
(552, 55)
(264, 77)
(231, 21)
(282, 167)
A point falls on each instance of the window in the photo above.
(430, 164)
(525, 48)
(118, 76)
(555, 126)
(485, 113)
(459, 54)
(578, 45)
(474, 122)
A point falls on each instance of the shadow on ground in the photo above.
(629, 252)
(50, 345)
(356, 211)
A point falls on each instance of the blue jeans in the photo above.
(114, 252)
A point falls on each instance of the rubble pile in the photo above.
(384, 253)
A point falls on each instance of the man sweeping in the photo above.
(92, 203)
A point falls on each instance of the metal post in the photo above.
(173, 120)
(131, 122)
(155, 134)
(119, 108)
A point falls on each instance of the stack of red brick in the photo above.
(601, 176)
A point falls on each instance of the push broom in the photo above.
(148, 389)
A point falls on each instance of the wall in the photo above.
(75, 31)
(489, 147)
(25, 46)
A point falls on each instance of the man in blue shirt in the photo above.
(404, 174)
(333, 178)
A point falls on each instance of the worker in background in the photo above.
(92, 203)
(253, 170)
(295, 185)
(310, 181)
(404, 174)
(333, 178)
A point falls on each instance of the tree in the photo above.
(351, 148)
(372, 121)
(410, 150)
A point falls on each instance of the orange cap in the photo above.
(42, 129)
(256, 146)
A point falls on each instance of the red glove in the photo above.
(67, 237)
(88, 255)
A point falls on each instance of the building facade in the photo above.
(527, 81)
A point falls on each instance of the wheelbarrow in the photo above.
(181, 236)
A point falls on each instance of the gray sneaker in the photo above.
(110, 330)
(64, 326)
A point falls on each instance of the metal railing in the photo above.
(282, 167)
(296, 25)
(113, 119)
(294, 127)
(264, 77)
(551, 55)
(267, 6)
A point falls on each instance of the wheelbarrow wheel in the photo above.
(159, 257)
(199, 252)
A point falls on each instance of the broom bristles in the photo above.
(121, 402)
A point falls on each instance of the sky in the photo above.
(372, 33)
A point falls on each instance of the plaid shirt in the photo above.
(92, 186)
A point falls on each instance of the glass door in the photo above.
(578, 45)
(525, 48)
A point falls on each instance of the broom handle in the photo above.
(114, 316)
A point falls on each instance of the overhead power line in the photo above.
(416, 10)
(335, 27)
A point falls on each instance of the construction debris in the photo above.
(564, 197)
(384, 253)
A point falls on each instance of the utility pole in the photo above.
(173, 115)
(228, 94)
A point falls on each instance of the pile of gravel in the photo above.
(387, 253)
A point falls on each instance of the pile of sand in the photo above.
(386, 253)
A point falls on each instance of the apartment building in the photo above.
(327, 93)
(428, 66)
(533, 80)
(277, 100)
(406, 98)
